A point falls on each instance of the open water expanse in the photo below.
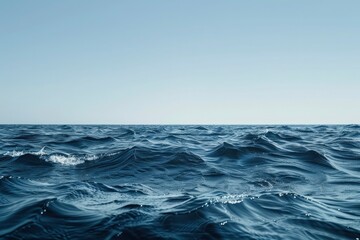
(179, 182)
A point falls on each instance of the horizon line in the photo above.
(183, 124)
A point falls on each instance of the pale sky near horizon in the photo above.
(180, 62)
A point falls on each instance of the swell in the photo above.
(71, 208)
(83, 142)
(146, 162)
(269, 151)
(191, 218)
(179, 182)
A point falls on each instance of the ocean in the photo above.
(179, 182)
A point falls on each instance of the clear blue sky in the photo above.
(180, 61)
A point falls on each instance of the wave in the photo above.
(230, 151)
(43, 158)
(88, 140)
(70, 160)
(179, 182)
(15, 153)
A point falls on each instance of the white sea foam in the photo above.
(15, 153)
(227, 199)
(65, 160)
(70, 160)
(90, 157)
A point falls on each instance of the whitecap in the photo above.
(90, 157)
(70, 160)
(229, 199)
(65, 160)
(15, 153)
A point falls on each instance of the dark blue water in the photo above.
(180, 182)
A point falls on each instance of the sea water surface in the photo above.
(179, 182)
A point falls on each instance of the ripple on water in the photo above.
(179, 182)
